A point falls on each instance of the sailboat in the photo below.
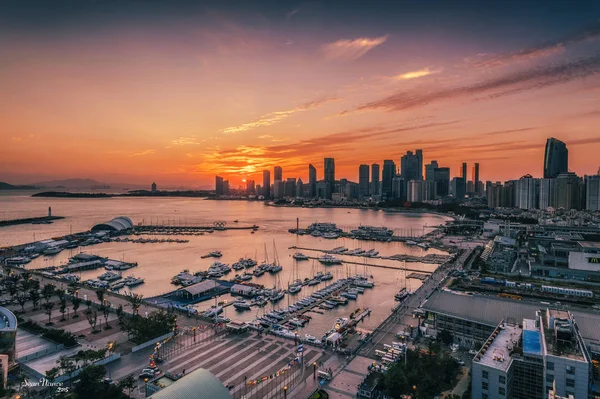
(277, 293)
(296, 285)
(275, 267)
(403, 293)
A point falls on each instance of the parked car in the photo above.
(460, 362)
(149, 373)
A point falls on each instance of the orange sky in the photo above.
(185, 101)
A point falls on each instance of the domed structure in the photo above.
(117, 224)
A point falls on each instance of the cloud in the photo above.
(591, 140)
(531, 79)
(540, 51)
(141, 153)
(524, 129)
(291, 13)
(265, 136)
(416, 74)
(275, 117)
(352, 49)
(185, 141)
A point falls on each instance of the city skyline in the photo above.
(179, 92)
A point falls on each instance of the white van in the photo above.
(323, 375)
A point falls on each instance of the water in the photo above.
(158, 263)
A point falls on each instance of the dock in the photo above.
(193, 229)
(418, 276)
(38, 220)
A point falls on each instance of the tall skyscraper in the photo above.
(556, 158)
(399, 188)
(277, 173)
(312, 181)
(592, 192)
(299, 188)
(463, 172)
(429, 170)
(389, 171)
(567, 190)
(267, 184)
(476, 186)
(441, 177)
(375, 179)
(458, 188)
(153, 188)
(290, 187)
(363, 180)
(219, 185)
(329, 169)
(226, 187)
(415, 191)
(527, 193)
(494, 195)
(411, 165)
(250, 187)
(547, 193)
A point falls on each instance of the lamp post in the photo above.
(414, 387)
(285, 388)
(314, 371)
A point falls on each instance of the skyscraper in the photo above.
(527, 193)
(219, 185)
(494, 195)
(476, 186)
(458, 188)
(389, 171)
(250, 187)
(226, 187)
(363, 180)
(290, 187)
(299, 188)
(429, 170)
(153, 187)
(592, 192)
(277, 173)
(312, 181)
(411, 166)
(463, 172)
(329, 169)
(556, 158)
(375, 179)
(441, 177)
(547, 193)
(567, 190)
(267, 184)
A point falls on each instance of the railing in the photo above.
(38, 354)
(186, 340)
(66, 377)
(151, 342)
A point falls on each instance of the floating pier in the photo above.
(38, 220)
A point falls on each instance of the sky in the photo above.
(176, 92)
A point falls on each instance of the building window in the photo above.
(502, 379)
(549, 378)
(484, 374)
(570, 370)
(570, 383)
(549, 365)
(501, 391)
(484, 386)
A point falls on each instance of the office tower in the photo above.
(592, 193)
(556, 158)
(375, 189)
(527, 192)
(226, 187)
(429, 170)
(363, 180)
(428, 190)
(494, 195)
(567, 191)
(312, 181)
(266, 184)
(441, 178)
(399, 188)
(277, 173)
(469, 187)
(547, 193)
(219, 185)
(153, 187)
(458, 188)
(389, 171)
(415, 191)
(476, 186)
(412, 165)
(278, 189)
(299, 188)
(463, 171)
(290, 187)
(329, 169)
(509, 194)
(259, 190)
(250, 187)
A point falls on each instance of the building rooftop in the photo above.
(8, 321)
(589, 245)
(497, 350)
(532, 339)
(561, 336)
(199, 384)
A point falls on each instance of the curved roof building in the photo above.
(199, 384)
(8, 333)
(117, 224)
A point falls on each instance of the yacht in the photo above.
(213, 311)
(52, 251)
(131, 281)
(423, 245)
(340, 323)
(109, 276)
(349, 295)
(242, 305)
(293, 289)
(70, 277)
(329, 260)
(237, 266)
(410, 242)
(214, 254)
(326, 276)
(276, 295)
(299, 256)
(117, 286)
(259, 301)
(258, 272)
(331, 235)
(246, 277)
(401, 295)
(275, 269)
(297, 322)
(19, 260)
(313, 282)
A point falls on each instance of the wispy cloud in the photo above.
(416, 74)
(142, 153)
(275, 117)
(185, 141)
(291, 13)
(352, 49)
(531, 79)
(542, 50)
(265, 136)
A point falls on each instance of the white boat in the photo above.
(310, 338)
(410, 242)
(293, 289)
(110, 276)
(313, 282)
(299, 256)
(70, 277)
(213, 311)
(275, 269)
(242, 305)
(401, 295)
(19, 260)
(276, 296)
(131, 281)
(423, 245)
(330, 260)
(258, 301)
(326, 276)
(246, 277)
(52, 251)
(331, 235)
(117, 286)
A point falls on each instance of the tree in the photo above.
(76, 302)
(48, 310)
(135, 302)
(67, 365)
(100, 296)
(88, 303)
(128, 383)
(106, 313)
(446, 337)
(63, 308)
(92, 317)
(60, 293)
(47, 292)
(120, 314)
(34, 295)
(22, 300)
(91, 385)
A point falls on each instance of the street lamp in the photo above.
(314, 371)
(415, 390)
(285, 388)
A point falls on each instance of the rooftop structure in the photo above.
(496, 352)
(117, 224)
(199, 384)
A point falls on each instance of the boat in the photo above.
(52, 251)
(313, 281)
(423, 245)
(310, 338)
(401, 295)
(340, 323)
(110, 276)
(276, 295)
(326, 306)
(258, 272)
(70, 278)
(297, 322)
(237, 266)
(242, 305)
(293, 289)
(19, 260)
(299, 256)
(117, 286)
(214, 254)
(275, 269)
(349, 295)
(245, 277)
(326, 276)
(329, 260)
(213, 311)
(131, 281)
(410, 242)
(258, 301)
(330, 235)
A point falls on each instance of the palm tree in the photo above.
(48, 308)
(76, 302)
(120, 313)
(135, 301)
(106, 312)
(92, 317)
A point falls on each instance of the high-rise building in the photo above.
(290, 187)
(441, 178)
(299, 188)
(375, 189)
(266, 184)
(389, 171)
(547, 193)
(476, 186)
(219, 185)
(463, 171)
(494, 195)
(259, 190)
(226, 187)
(277, 173)
(470, 188)
(363, 180)
(556, 158)
(415, 191)
(567, 191)
(428, 190)
(458, 188)
(411, 165)
(399, 188)
(430, 169)
(509, 194)
(592, 192)
(250, 187)
(527, 192)
(329, 169)
(278, 189)
(153, 187)
(312, 181)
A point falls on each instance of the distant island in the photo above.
(136, 193)
(63, 194)
(6, 186)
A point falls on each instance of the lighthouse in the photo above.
(49, 211)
